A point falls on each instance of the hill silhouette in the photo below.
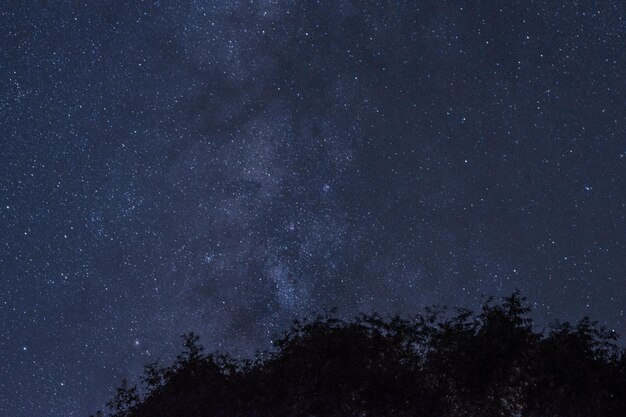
(463, 364)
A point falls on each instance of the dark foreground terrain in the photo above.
(491, 363)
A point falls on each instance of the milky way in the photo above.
(226, 167)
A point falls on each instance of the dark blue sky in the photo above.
(225, 167)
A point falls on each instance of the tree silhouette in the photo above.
(463, 364)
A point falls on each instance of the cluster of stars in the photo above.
(228, 167)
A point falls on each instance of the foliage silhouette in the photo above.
(485, 364)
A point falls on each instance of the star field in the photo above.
(226, 167)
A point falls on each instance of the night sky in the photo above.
(226, 167)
